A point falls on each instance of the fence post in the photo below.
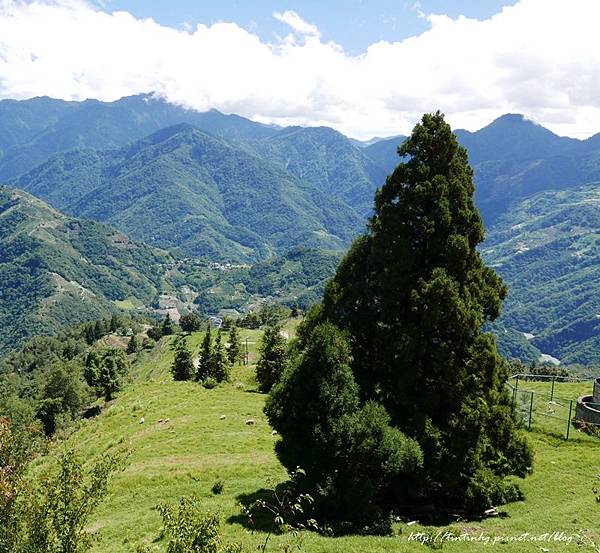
(530, 410)
(569, 419)
(552, 392)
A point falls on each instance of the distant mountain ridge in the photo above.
(34, 130)
(182, 188)
(548, 252)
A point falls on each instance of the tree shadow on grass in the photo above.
(257, 519)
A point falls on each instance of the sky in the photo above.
(365, 67)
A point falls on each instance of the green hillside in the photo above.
(184, 446)
(183, 188)
(57, 271)
(326, 159)
(547, 249)
(295, 278)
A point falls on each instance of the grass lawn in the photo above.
(192, 450)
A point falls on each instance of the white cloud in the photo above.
(538, 57)
(298, 24)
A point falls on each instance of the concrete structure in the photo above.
(588, 407)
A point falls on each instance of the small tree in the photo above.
(133, 346)
(17, 449)
(192, 530)
(104, 371)
(219, 365)
(234, 353)
(272, 360)
(190, 322)
(55, 517)
(183, 365)
(63, 394)
(110, 375)
(205, 355)
(167, 327)
(155, 333)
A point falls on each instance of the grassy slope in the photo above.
(195, 448)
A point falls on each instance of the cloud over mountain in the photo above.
(538, 57)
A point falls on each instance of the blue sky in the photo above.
(353, 24)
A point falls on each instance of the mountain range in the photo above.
(230, 189)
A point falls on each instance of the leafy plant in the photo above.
(190, 529)
(217, 487)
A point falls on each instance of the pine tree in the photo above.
(133, 346)
(234, 353)
(183, 365)
(167, 327)
(204, 362)
(115, 323)
(219, 364)
(272, 360)
(413, 295)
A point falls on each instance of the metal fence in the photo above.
(549, 402)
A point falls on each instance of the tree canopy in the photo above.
(411, 297)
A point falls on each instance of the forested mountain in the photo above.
(327, 160)
(183, 188)
(33, 130)
(547, 249)
(56, 270)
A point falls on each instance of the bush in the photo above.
(217, 487)
(192, 530)
(350, 452)
(209, 383)
(486, 489)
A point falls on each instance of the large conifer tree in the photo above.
(412, 295)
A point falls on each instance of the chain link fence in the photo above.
(550, 402)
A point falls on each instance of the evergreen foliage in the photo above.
(412, 295)
(272, 360)
(183, 364)
(219, 363)
(190, 322)
(62, 395)
(134, 345)
(351, 455)
(234, 352)
(167, 328)
(105, 370)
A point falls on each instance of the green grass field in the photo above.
(193, 447)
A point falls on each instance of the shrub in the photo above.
(350, 452)
(192, 530)
(217, 487)
(209, 383)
